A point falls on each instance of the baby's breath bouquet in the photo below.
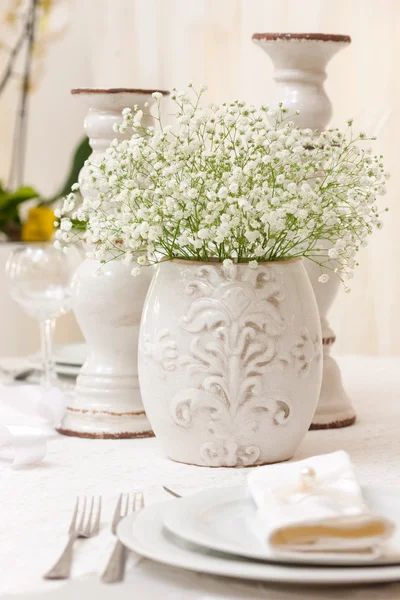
(232, 183)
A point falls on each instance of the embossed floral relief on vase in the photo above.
(232, 362)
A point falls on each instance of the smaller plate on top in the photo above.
(225, 520)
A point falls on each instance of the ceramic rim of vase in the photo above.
(315, 37)
(216, 263)
(76, 91)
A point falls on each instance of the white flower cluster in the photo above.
(233, 182)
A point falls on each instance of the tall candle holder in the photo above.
(108, 302)
(300, 60)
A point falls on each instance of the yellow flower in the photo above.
(39, 225)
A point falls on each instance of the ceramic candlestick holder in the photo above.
(300, 60)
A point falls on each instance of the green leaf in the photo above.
(81, 154)
(10, 200)
(10, 222)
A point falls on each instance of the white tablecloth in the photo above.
(36, 503)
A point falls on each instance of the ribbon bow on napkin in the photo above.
(316, 505)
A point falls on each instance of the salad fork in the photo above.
(114, 571)
(85, 527)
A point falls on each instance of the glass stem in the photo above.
(46, 339)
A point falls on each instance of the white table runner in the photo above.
(36, 503)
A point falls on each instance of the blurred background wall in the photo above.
(166, 43)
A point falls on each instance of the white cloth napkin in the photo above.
(28, 416)
(316, 505)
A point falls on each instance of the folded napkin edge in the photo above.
(350, 528)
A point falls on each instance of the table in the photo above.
(36, 503)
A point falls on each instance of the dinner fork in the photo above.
(85, 527)
(115, 568)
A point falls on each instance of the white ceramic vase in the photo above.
(300, 61)
(230, 361)
(108, 303)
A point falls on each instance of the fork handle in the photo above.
(114, 571)
(62, 568)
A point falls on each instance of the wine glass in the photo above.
(39, 278)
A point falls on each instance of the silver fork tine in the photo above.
(82, 520)
(96, 525)
(117, 514)
(86, 530)
(139, 501)
(72, 527)
(128, 500)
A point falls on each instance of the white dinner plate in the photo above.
(145, 534)
(72, 355)
(68, 370)
(68, 359)
(225, 520)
